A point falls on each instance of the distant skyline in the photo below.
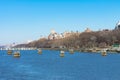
(23, 20)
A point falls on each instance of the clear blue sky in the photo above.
(22, 20)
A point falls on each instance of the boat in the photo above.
(39, 51)
(71, 51)
(9, 52)
(16, 54)
(104, 52)
(62, 53)
(118, 50)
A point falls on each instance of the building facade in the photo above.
(117, 25)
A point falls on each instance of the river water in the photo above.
(50, 66)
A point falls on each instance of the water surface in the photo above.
(50, 66)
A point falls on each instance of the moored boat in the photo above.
(62, 53)
(16, 54)
(39, 51)
(9, 52)
(118, 50)
(103, 52)
(71, 51)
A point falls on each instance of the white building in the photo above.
(117, 25)
(53, 35)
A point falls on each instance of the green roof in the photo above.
(116, 45)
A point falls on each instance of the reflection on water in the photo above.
(50, 66)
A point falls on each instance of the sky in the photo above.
(23, 20)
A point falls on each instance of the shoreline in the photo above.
(92, 50)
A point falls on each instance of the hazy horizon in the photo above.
(23, 20)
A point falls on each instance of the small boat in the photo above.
(71, 51)
(39, 51)
(118, 50)
(16, 54)
(62, 53)
(104, 52)
(9, 52)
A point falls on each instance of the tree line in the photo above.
(104, 38)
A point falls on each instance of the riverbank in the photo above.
(92, 50)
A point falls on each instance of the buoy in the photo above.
(62, 53)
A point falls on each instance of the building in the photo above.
(117, 25)
(53, 35)
(88, 30)
(66, 34)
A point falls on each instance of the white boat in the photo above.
(103, 52)
(118, 50)
(9, 52)
(71, 51)
(62, 53)
(39, 51)
(16, 54)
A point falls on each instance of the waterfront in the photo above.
(50, 66)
